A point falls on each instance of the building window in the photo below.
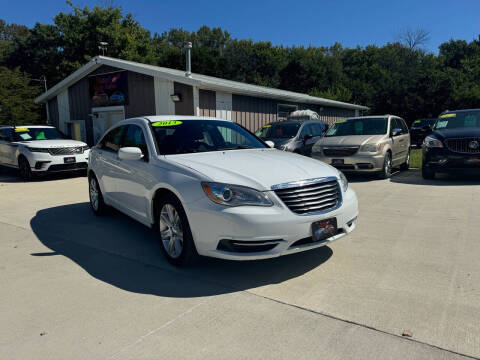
(284, 110)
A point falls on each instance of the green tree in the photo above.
(16, 98)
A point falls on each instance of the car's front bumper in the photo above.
(354, 163)
(47, 163)
(211, 223)
(444, 160)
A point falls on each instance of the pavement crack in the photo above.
(333, 317)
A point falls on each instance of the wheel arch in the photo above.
(157, 194)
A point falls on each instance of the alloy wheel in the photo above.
(171, 231)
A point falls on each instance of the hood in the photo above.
(352, 140)
(52, 143)
(255, 168)
(279, 141)
(459, 132)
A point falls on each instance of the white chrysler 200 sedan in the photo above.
(212, 188)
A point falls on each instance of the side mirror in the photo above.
(307, 137)
(396, 132)
(130, 153)
(270, 143)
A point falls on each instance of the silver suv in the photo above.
(373, 144)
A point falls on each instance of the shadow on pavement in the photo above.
(414, 177)
(9, 175)
(126, 254)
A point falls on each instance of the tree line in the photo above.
(398, 78)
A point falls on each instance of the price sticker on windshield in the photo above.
(21, 129)
(267, 126)
(417, 122)
(166, 123)
(448, 115)
(442, 124)
(341, 121)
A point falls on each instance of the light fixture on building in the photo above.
(176, 97)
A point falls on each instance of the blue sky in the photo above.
(298, 22)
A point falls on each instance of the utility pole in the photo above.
(103, 46)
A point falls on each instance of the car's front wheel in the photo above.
(96, 198)
(428, 173)
(24, 168)
(175, 235)
(387, 166)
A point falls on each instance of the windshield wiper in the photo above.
(238, 147)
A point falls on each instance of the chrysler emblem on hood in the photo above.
(474, 145)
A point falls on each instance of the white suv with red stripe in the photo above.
(40, 149)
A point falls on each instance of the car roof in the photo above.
(27, 126)
(291, 121)
(154, 118)
(459, 111)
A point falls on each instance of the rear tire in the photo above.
(387, 167)
(406, 165)
(174, 231)
(96, 198)
(427, 173)
(24, 168)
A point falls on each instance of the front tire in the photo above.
(387, 167)
(174, 231)
(427, 173)
(96, 198)
(24, 168)
(406, 165)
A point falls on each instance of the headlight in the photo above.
(343, 181)
(432, 142)
(371, 148)
(235, 195)
(85, 148)
(32, 149)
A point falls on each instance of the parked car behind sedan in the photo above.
(296, 136)
(454, 145)
(212, 188)
(373, 144)
(420, 129)
(40, 149)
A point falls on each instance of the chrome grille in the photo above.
(310, 196)
(66, 150)
(468, 145)
(340, 151)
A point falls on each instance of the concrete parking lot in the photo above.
(76, 286)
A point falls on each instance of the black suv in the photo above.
(454, 144)
(420, 129)
(297, 136)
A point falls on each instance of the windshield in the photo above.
(420, 123)
(464, 119)
(280, 130)
(192, 136)
(37, 133)
(359, 126)
(262, 132)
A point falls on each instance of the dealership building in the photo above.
(107, 90)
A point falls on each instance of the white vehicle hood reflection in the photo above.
(255, 168)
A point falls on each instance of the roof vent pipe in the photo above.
(188, 46)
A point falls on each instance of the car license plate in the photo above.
(324, 229)
(69, 160)
(337, 161)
